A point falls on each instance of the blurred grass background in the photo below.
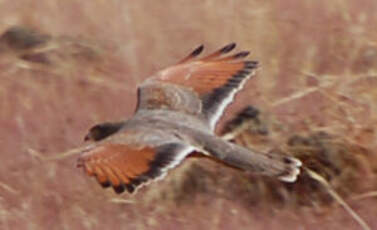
(317, 90)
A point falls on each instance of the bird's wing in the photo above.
(211, 81)
(128, 167)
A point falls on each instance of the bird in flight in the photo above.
(176, 115)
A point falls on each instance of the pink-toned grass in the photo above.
(319, 74)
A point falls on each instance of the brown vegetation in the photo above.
(72, 65)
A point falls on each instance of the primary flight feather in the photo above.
(177, 112)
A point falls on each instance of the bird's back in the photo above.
(176, 115)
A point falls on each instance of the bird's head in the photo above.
(103, 130)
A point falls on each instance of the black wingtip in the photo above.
(105, 184)
(228, 48)
(251, 64)
(197, 51)
(119, 189)
(130, 188)
(241, 54)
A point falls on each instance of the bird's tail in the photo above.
(283, 167)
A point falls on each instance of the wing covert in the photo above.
(207, 85)
(126, 167)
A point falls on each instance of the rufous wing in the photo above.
(208, 73)
(215, 78)
(127, 167)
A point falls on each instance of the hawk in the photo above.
(176, 115)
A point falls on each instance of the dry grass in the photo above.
(317, 90)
